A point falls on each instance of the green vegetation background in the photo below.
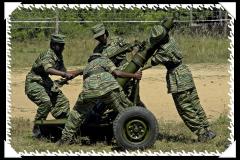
(206, 43)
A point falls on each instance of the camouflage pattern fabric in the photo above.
(115, 99)
(130, 89)
(120, 60)
(111, 49)
(99, 87)
(98, 30)
(157, 34)
(180, 83)
(42, 91)
(179, 78)
(99, 48)
(58, 38)
(99, 83)
(114, 43)
(191, 111)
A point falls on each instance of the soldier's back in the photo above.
(98, 79)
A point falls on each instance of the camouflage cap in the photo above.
(98, 30)
(58, 38)
(157, 34)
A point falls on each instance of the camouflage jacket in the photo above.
(99, 81)
(178, 78)
(117, 49)
(44, 61)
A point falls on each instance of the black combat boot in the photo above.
(206, 136)
(36, 133)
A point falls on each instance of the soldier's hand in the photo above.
(68, 75)
(138, 75)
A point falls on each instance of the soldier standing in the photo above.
(99, 85)
(179, 81)
(39, 87)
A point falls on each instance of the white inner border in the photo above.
(9, 7)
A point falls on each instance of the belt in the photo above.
(88, 74)
(172, 66)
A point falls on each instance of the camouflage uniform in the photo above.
(42, 91)
(180, 83)
(99, 86)
(118, 50)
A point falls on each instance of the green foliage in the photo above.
(29, 30)
(199, 45)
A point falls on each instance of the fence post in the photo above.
(226, 23)
(191, 16)
(57, 21)
(220, 16)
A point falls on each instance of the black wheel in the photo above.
(135, 128)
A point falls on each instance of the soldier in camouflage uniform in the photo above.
(179, 81)
(42, 90)
(99, 85)
(119, 51)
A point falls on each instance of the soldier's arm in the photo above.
(111, 68)
(53, 71)
(48, 63)
(118, 73)
(76, 72)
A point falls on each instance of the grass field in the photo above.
(195, 49)
(174, 137)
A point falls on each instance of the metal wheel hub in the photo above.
(136, 129)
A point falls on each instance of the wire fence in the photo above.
(30, 31)
(205, 21)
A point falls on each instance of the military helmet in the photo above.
(157, 34)
(98, 30)
(57, 38)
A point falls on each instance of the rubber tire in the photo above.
(130, 114)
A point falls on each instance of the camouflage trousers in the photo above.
(115, 99)
(190, 110)
(47, 101)
(132, 92)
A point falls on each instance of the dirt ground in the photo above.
(212, 82)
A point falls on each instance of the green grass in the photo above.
(204, 49)
(174, 137)
(198, 49)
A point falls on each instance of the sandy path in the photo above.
(211, 81)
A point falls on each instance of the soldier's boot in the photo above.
(206, 136)
(64, 141)
(36, 133)
(85, 141)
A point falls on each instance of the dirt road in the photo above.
(211, 81)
